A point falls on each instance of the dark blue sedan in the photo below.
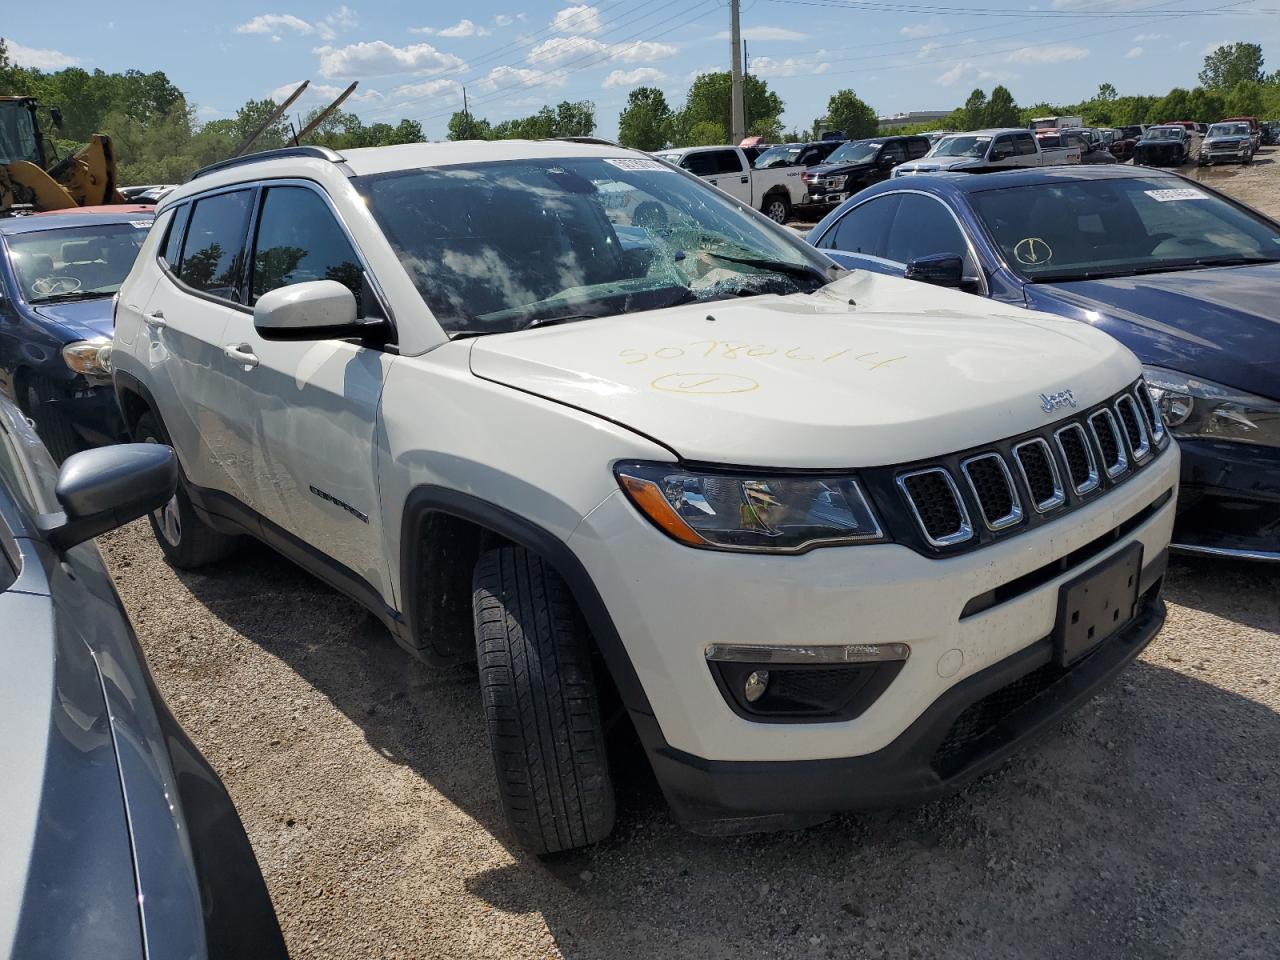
(1185, 277)
(58, 276)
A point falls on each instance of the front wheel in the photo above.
(777, 209)
(540, 703)
(185, 540)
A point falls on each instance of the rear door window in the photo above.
(298, 240)
(1024, 145)
(213, 252)
(864, 228)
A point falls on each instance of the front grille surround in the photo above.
(1108, 438)
(962, 529)
(1048, 472)
(979, 484)
(1070, 436)
(1134, 428)
(1152, 410)
(1024, 451)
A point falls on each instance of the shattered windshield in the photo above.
(962, 147)
(495, 247)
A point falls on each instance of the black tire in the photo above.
(777, 208)
(54, 429)
(540, 703)
(186, 541)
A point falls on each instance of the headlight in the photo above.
(837, 183)
(768, 514)
(1192, 407)
(89, 357)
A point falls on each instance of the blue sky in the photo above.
(413, 59)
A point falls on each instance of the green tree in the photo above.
(975, 110)
(708, 101)
(1232, 64)
(645, 122)
(1001, 110)
(463, 126)
(1244, 100)
(848, 113)
(1205, 105)
(1106, 93)
(1172, 106)
(769, 131)
(706, 133)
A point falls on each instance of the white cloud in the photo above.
(442, 87)
(378, 58)
(1184, 44)
(918, 31)
(1134, 53)
(507, 78)
(559, 50)
(1053, 53)
(323, 93)
(582, 19)
(631, 78)
(37, 59)
(463, 28)
(765, 33)
(502, 20)
(343, 18)
(968, 69)
(790, 67)
(928, 48)
(1144, 37)
(208, 112)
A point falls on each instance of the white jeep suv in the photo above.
(826, 540)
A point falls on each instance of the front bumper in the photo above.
(1229, 500)
(92, 412)
(966, 732)
(668, 602)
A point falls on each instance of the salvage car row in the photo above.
(643, 455)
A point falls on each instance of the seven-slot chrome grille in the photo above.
(969, 498)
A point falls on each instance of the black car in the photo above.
(119, 839)
(1184, 276)
(795, 155)
(858, 164)
(1164, 146)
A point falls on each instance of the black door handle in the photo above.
(746, 180)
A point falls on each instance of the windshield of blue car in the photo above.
(1165, 133)
(501, 246)
(75, 263)
(860, 152)
(962, 147)
(784, 156)
(1090, 229)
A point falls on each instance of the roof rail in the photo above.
(598, 141)
(316, 153)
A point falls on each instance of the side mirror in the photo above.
(940, 269)
(316, 310)
(885, 162)
(997, 155)
(105, 488)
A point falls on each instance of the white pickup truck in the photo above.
(773, 192)
(1006, 147)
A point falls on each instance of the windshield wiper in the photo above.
(562, 318)
(776, 266)
(72, 295)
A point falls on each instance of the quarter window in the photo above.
(299, 240)
(172, 252)
(214, 246)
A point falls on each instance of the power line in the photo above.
(938, 11)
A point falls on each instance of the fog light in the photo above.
(757, 684)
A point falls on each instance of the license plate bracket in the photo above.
(1097, 604)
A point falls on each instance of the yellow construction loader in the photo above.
(86, 178)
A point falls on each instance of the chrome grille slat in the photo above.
(1076, 432)
(1131, 422)
(990, 491)
(1026, 450)
(937, 529)
(1120, 462)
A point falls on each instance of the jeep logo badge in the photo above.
(1050, 402)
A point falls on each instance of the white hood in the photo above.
(909, 371)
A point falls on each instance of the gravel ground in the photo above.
(1144, 828)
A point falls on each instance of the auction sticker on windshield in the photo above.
(637, 163)
(1178, 193)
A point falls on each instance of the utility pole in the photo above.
(737, 118)
(746, 72)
